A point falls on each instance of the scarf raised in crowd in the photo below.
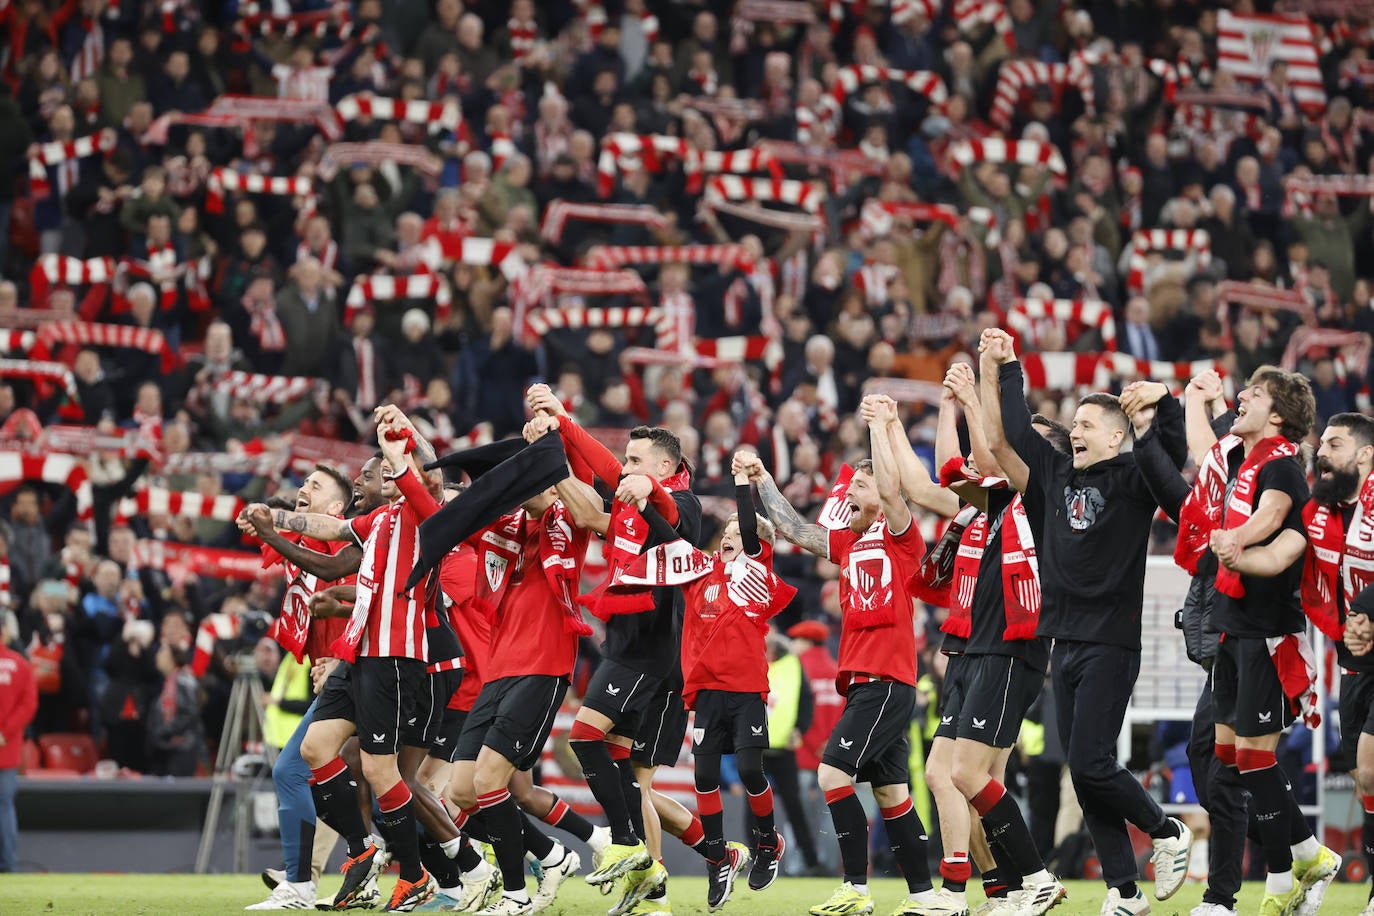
(1337, 559)
(1020, 568)
(1206, 508)
(561, 549)
(753, 589)
(625, 540)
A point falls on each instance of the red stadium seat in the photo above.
(68, 751)
(53, 774)
(30, 758)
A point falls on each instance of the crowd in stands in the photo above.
(228, 241)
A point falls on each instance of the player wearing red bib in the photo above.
(877, 554)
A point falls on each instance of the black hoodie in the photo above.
(1096, 528)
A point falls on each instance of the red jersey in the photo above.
(18, 704)
(395, 619)
(320, 632)
(819, 669)
(723, 639)
(528, 633)
(875, 567)
(458, 578)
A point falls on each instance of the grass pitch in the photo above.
(224, 894)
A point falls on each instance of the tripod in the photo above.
(244, 723)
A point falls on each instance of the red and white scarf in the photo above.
(752, 587)
(1297, 668)
(62, 470)
(57, 152)
(625, 539)
(223, 180)
(1207, 507)
(562, 547)
(436, 116)
(1337, 559)
(215, 628)
(386, 288)
(609, 257)
(1020, 568)
(524, 35)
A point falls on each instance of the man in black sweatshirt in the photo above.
(1092, 552)
(1246, 509)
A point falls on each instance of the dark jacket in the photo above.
(1096, 526)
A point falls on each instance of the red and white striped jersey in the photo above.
(390, 538)
(310, 83)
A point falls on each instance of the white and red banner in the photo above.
(1248, 46)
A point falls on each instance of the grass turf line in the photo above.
(70, 895)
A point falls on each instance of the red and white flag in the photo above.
(1247, 45)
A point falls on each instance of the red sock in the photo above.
(693, 834)
(834, 795)
(988, 797)
(1226, 753)
(393, 798)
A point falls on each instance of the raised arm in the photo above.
(878, 412)
(1040, 457)
(311, 524)
(990, 403)
(584, 504)
(748, 517)
(812, 538)
(916, 482)
(327, 567)
(590, 454)
(1198, 399)
(959, 381)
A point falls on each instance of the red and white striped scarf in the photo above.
(161, 501)
(60, 470)
(328, 256)
(375, 152)
(58, 152)
(609, 257)
(1023, 313)
(558, 213)
(87, 334)
(436, 116)
(1196, 241)
(263, 389)
(263, 323)
(59, 270)
(1020, 75)
(91, 54)
(365, 353)
(386, 288)
(215, 628)
(524, 36)
(223, 180)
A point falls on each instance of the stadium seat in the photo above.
(30, 758)
(68, 751)
(54, 773)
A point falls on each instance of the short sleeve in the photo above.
(909, 542)
(361, 525)
(839, 542)
(1287, 475)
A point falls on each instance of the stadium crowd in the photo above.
(227, 245)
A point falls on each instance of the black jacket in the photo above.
(1096, 527)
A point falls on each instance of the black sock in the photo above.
(468, 858)
(634, 799)
(603, 778)
(335, 792)
(1298, 830)
(993, 885)
(1128, 890)
(536, 840)
(851, 832)
(445, 870)
(906, 836)
(1166, 831)
(507, 836)
(713, 826)
(1271, 810)
(397, 827)
(476, 827)
(1007, 831)
(305, 853)
(562, 816)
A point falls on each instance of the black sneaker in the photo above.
(357, 872)
(720, 878)
(767, 861)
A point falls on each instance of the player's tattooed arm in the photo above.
(811, 538)
(311, 524)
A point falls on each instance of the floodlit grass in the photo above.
(188, 894)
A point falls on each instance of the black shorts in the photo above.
(1357, 712)
(380, 696)
(953, 691)
(1246, 692)
(1000, 690)
(657, 731)
(872, 740)
(429, 711)
(620, 693)
(727, 721)
(445, 743)
(513, 716)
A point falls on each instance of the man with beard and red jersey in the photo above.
(730, 597)
(376, 696)
(877, 553)
(632, 719)
(531, 562)
(1246, 507)
(321, 565)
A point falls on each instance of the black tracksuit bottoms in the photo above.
(1093, 684)
(1221, 794)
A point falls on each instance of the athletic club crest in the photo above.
(496, 570)
(1083, 505)
(1262, 46)
(712, 593)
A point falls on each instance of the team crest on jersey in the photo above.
(1083, 505)
(712, 593)
(496, 570)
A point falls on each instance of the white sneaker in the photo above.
(506, 905)
(288, 896)
(1170, 860)
(552, 876)
(940, 903)
(1116, 905)
(1368, 909)
(481, 887)
(599, 840)
(1009, 905)
(1039, 897)
(1211, 909)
